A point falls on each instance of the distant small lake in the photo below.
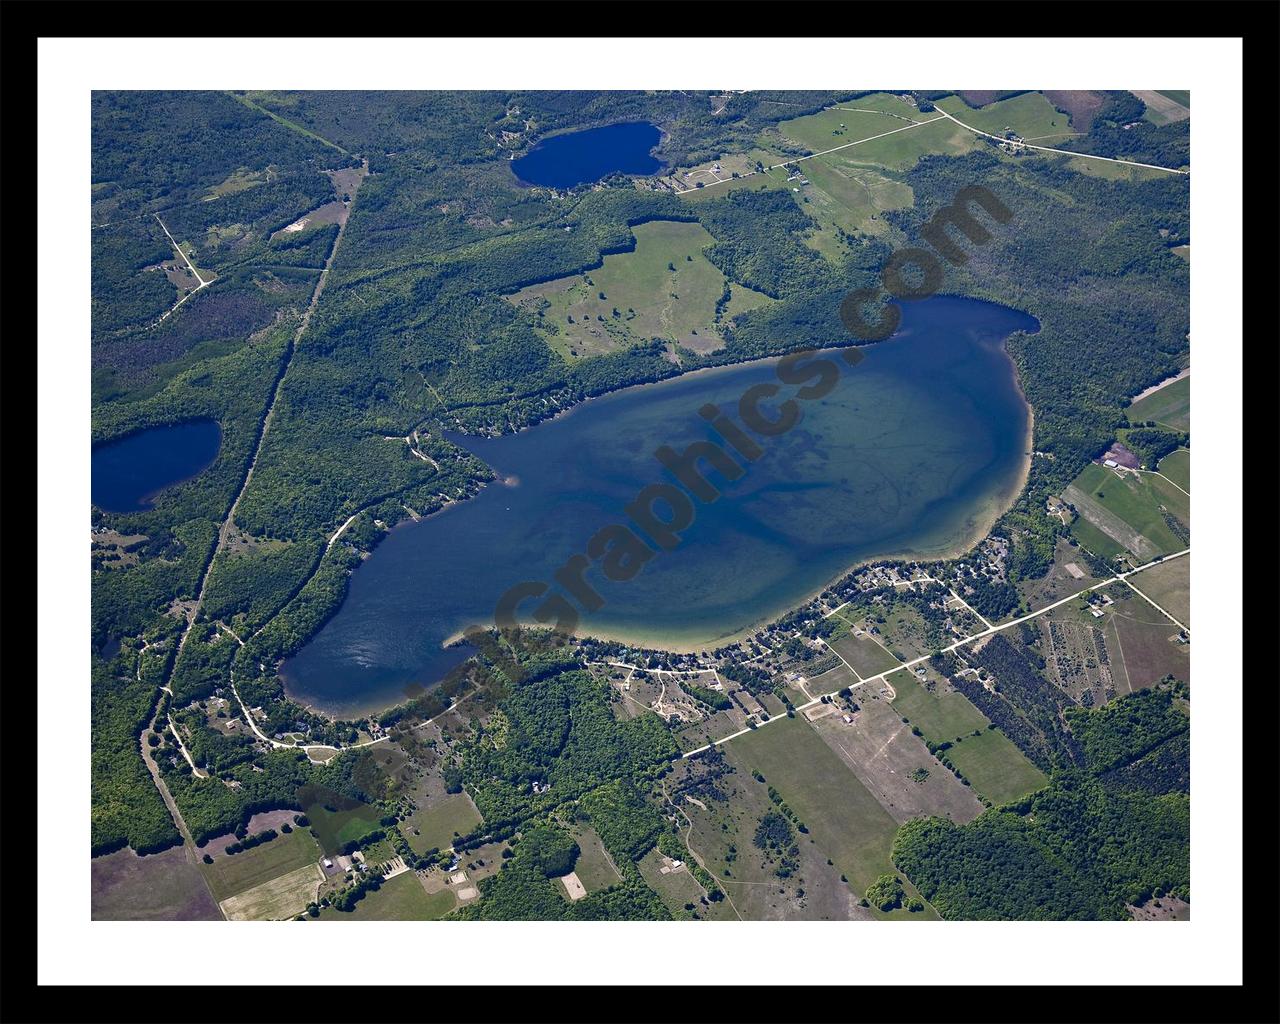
(128, 474)
(913, 454)
(575, 158)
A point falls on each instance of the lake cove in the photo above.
(915, 452)
(574, 158)
(127, 474)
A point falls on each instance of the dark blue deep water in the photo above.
(574, 158)
(913, 453)
(128, 474)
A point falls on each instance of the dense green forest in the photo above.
(1082, 847)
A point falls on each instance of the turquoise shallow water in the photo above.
(912, 453)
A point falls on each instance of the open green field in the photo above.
(1182, 96)
(676, 888)
(1169, 407)
(1030, 116)
(995, 766)
(849, 122)
(665, 288)
(399, 899)
(231, 874)
(1127, 509)
(436, 825)
(333, 828)
(843, 194)
(593, 867)
(1177, 467)
(866, 657)
(942, 714)
(1169, 586)
(856, 832)
(992, 763)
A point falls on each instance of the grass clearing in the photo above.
(230, 874)
(840, 812)
(1129, 509)
(996, 767)
(676, 888)
(437, 825)
(894, 764)
(593, 867)
(1169, 586)
(1030, 116)
(399, 899)
(866, 657)
(1177, 467)
(1169, 407)
(664, 288)
(992, 763)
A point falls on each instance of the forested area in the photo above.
(1119, 131)
(559, 733)
(1080, 849)
(126, 806)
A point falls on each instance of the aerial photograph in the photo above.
(670, 505)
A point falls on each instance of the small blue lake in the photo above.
(129, 473)
(574, 158)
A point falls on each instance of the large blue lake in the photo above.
(915, 452)
(128, 474)
(562, 161)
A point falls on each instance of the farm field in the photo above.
(866, 657)
(1177, 467)
(230, 874)
(1143, 642)
(1130, 510)
(1165, 106)
(1030, 116)
(842, 815)
(436, 826)
(401, 898)
(722, 838)
(996, 767)
(162, 886)
(1169, 407)
(1169, 586)
(665, 288)
(894, 764)
(991, 762)
(276, 899)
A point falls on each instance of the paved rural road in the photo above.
(1065, 152)
(859, 142)
(1122, 577)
